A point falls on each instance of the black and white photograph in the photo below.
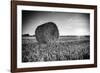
(52, 36)
(55, 36)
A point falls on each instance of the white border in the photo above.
(54, 63)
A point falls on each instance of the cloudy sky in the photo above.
(68, 23)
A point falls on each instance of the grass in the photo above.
(67, 48)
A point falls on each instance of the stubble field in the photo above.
(66, 48)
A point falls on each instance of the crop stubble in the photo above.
(66, 48)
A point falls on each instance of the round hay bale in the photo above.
(47, 33)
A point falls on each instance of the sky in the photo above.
(67, 23)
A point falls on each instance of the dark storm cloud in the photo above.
(68, 23)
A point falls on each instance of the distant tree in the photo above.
(25, 35)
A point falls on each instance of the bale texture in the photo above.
(47, 33)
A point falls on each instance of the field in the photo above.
(66, 48)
